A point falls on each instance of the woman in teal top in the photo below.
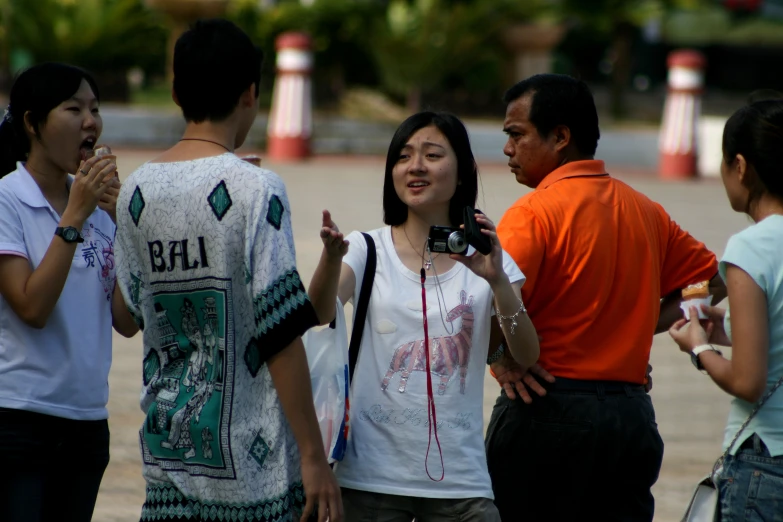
(752, 171)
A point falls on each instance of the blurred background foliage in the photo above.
(451, 54)
(109, 37)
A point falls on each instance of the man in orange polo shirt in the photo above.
(599, 257)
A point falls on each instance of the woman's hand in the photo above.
(490, 266)
(688, 338)
(716, 316)
(335, 246)
(108, 202)
(89, 185)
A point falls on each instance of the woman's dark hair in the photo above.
(756, 132)
(395, 211)
(36, 90)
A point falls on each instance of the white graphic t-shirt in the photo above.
(206, 264)
(389, 421)
(63, 368)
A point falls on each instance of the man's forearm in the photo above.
(718, 289)
(291, 377)
(670, 305)
(670, 311)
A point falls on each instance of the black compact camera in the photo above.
(449, 240)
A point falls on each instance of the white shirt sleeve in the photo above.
(11, 231)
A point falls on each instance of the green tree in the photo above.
(620, 19)
(107, 37)
(341, 32)
(421, 43)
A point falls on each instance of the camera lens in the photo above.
(457, 243)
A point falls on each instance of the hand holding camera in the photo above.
(477, 231)
(456, 240)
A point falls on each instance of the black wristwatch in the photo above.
(69, 234)
(699, 349)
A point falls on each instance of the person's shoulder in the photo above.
(377, 236)
(253, 178)
(764, 235)
(526, 203)
(768, 228)
(9, 182)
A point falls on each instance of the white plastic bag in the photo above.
(327, 356)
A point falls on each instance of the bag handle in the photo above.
(361, 307)
(717, 468)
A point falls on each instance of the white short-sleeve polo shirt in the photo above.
(63, 368)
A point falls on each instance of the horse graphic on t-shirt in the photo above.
(447, 353)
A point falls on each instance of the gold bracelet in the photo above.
(513, 317)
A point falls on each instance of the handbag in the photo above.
(332, 361)
(705, 502)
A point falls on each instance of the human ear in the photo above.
(562, 135)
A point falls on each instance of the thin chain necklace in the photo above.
(208, 141)
(427, 262)
(30, 167)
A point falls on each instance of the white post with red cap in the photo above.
(681, 113)
(291, 117)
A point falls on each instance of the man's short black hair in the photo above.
(214, 63)
(558, 99)
(764, 95)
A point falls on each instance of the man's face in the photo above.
(531, 157)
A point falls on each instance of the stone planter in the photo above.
(532, 45)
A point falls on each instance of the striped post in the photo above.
(681, 113)
(291, 117)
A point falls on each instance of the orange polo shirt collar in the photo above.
(572, 169)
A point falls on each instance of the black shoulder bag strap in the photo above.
(361, 307)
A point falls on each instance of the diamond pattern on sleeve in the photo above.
(282, 312)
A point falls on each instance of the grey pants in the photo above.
(363, 506)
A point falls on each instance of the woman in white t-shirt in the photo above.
(57, 297)
(392, 468)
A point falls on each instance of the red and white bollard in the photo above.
(291, 117)
(681, 113)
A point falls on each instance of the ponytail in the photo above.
(14, 144)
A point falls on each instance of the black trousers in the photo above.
(588, 450)
(51, 467)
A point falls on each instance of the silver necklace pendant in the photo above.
(427, 264)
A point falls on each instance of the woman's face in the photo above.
(732, 174)
(70, 128)
(425, 175)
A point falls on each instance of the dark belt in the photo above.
(562, 384)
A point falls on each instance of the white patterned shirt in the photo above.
(206, 263)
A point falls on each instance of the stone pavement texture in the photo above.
(691, 409)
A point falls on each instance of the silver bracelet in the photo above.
(513, 317)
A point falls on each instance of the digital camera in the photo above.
(447, 240)
(450, 240)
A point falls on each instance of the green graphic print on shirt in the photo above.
(192, 405)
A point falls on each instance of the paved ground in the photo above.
(691, 410)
